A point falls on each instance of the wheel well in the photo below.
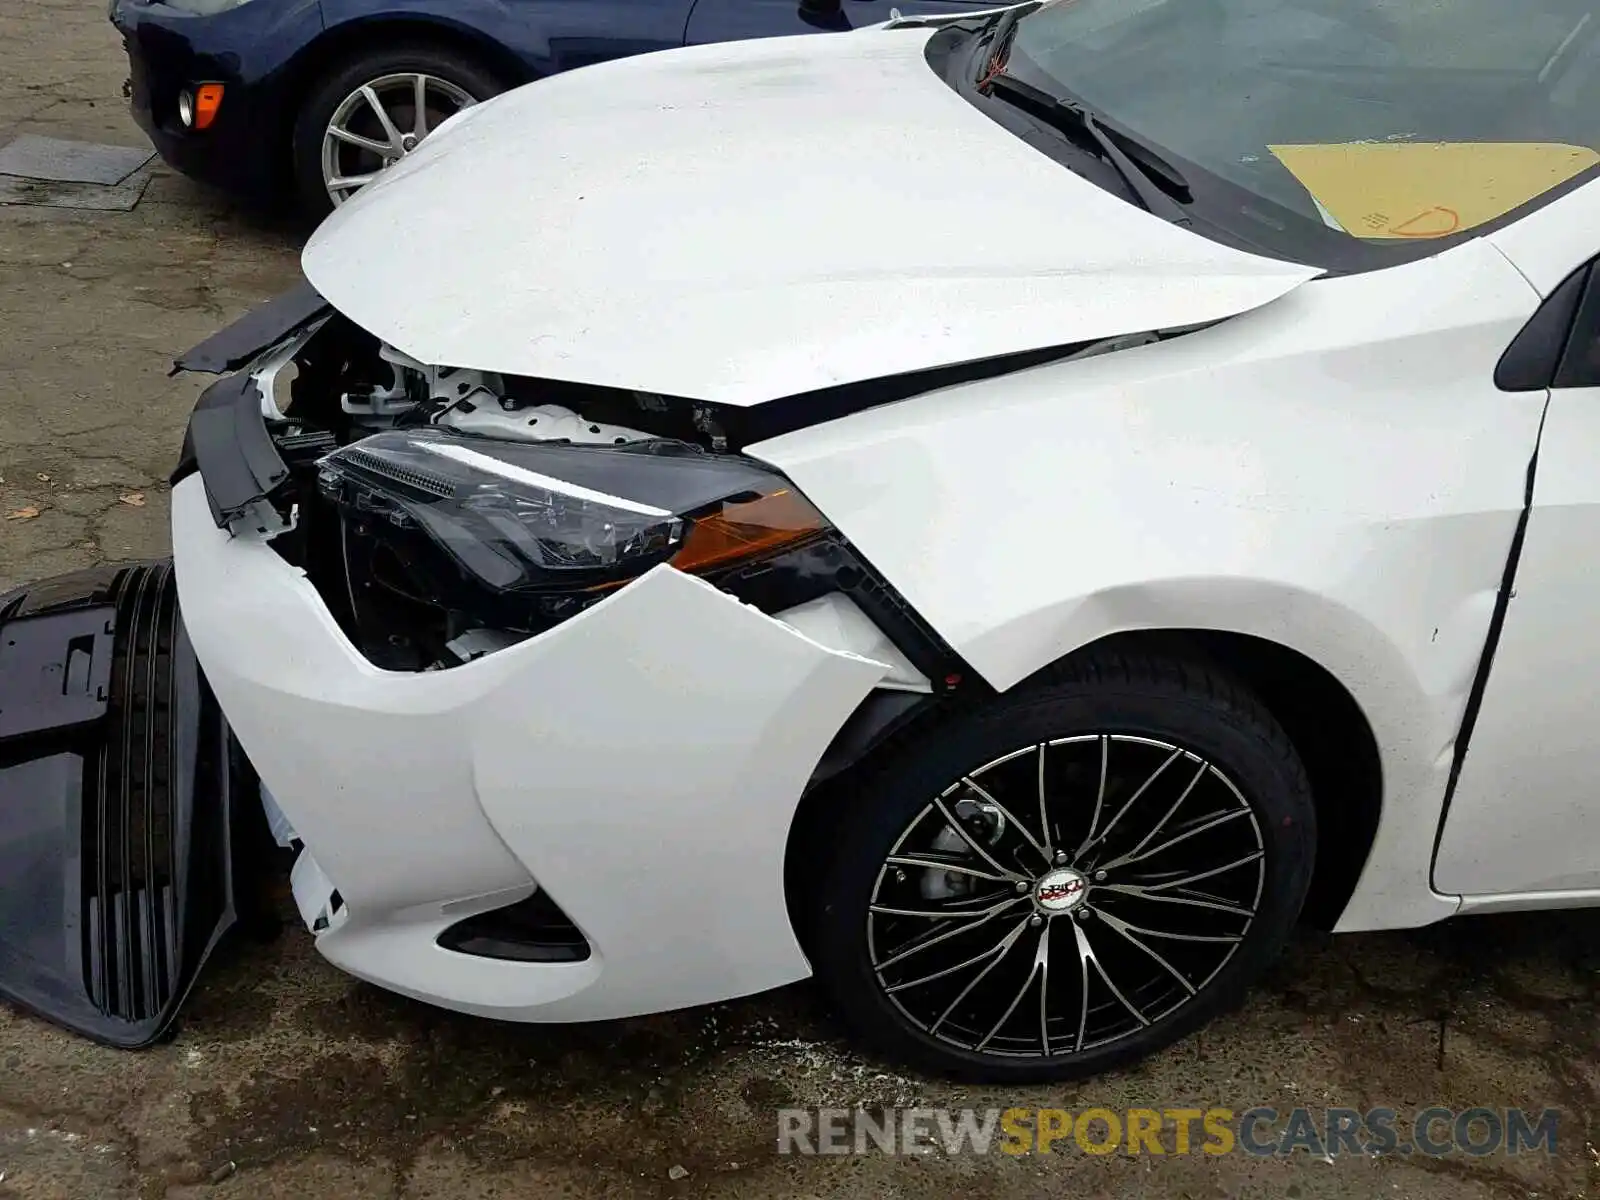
(1322, 719)
(1329, 731)
(346, 40)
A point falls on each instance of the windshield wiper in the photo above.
(997, 35)
(1158, 185)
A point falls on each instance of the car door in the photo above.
(1524, 816)
(727, 20)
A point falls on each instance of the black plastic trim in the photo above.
(876, 719)
(259, 329)
(1530, 361)
(229, 444)
(123, 798)
(801, 410)
(58, 676)
(533, 929)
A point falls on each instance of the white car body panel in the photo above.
(1509, 902)
(1524, 814)
(1551, 243)
(426, 797)
(656, 229)
(835, 620)
(1335, 472)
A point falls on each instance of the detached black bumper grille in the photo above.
(131, 854)
(121, 793)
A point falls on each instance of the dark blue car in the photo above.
(311, 98)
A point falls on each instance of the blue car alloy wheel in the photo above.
(376, 110)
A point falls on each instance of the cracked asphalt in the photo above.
(288, 1079)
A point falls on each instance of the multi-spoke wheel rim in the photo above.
(380, 123)
(1066, 896)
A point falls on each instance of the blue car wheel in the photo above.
(369, 114)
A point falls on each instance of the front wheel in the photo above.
(1069, 879)
(373, 111)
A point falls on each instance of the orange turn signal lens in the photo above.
(745, 529)
(207, 100)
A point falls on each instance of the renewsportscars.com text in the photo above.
(1261, 1132)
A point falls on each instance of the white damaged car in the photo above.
(1005, 514)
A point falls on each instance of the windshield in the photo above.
(1388, 121)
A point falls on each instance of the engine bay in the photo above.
(400, 597)
(343, 380)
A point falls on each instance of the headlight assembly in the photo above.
(524, 534)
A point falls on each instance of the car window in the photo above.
(1580, 365)
(1391, 122)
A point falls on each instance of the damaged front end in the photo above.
(441, 513)
(124, 804)
(382, 562)
(464, 623)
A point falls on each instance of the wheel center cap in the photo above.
(408, 143)
(1061, 890)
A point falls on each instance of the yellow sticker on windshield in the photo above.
(1428, 189)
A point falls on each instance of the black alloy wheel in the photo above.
(1070, 878)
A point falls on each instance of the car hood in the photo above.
(741, 222)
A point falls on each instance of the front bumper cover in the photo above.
(642, 762)
(119, 794)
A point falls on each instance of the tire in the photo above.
(453, 68)
(1111, 718)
